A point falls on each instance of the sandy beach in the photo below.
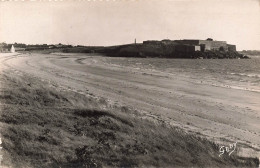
(219, 113)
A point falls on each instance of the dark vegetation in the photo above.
(44, 127)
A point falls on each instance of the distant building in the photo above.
(186, 48)
(191, 45)
(208, 44)
(51, 46)
(231, 47)
(4, 48)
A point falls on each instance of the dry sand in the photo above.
(221, 114)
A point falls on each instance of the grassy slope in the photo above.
(42, 127)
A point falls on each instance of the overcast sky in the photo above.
(120, 22)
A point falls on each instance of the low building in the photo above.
(187, 48)
(231, 47)
(208, 44)
(4, 49)
(191, 45)
(2, 46)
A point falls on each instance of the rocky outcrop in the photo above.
(218, 55)
(168, 51)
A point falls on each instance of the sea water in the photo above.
(232, 73)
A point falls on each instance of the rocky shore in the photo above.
(218, 55)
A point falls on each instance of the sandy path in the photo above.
(213, 111)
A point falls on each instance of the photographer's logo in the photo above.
(228, 149)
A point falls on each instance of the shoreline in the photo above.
(96, 73)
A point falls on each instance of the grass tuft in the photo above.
(43, 127)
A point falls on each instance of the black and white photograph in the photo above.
(129, 83)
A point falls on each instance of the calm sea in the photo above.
(234, 73)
